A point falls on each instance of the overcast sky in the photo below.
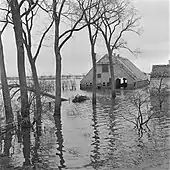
(153, 43)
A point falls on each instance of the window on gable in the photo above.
(105, 68)
(98, 75)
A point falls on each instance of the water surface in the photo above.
(89, 138)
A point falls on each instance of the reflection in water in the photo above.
(35, 155)
(164, 103)
(95, 156)
(7, 143)
(0, 143)
(139, 147)
(111, 143)
(60, 140)
(19, 134)
(26, 145)
(113, 136)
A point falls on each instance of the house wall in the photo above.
(154, 82)
(142, 83)
(160, 70)
(88, 78)
(86, 82)
(104, 76)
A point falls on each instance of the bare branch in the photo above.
(41, 40)
(15, 93)
(30, 9)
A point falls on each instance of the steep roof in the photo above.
(133, 69)
(128, 65)
(160, 71)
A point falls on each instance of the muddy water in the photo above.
(89, 138)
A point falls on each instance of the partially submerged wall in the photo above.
(155, 82)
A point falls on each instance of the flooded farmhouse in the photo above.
(127, 75)
(55, 117)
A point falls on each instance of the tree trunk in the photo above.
(20, 58)
(94, 75)
(37, 93)
(58, 63)
(5, 91)
(113, 92)
(58, 84)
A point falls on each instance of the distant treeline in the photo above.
(50, 77)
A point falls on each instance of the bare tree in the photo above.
(16, 19)
(91, 15)
(138, 110)
(26, 26)
(68, 10)
(5, 90)
(118, 17)
(28, 23)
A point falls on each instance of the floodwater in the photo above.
(88, 138)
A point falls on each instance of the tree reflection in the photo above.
(113, 134)
(7, 143)
(60, 140)
(19, 134)
(95, 156)
(26, 145)
(1, 137)
(35, 155)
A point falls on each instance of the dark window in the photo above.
(90, 84)
(105, 68)
(103, 83)
(98, 75)
(108, 84)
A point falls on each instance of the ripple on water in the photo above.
(87, 137)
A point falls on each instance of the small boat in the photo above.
(80, 98)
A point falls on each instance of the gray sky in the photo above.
(154, 45)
